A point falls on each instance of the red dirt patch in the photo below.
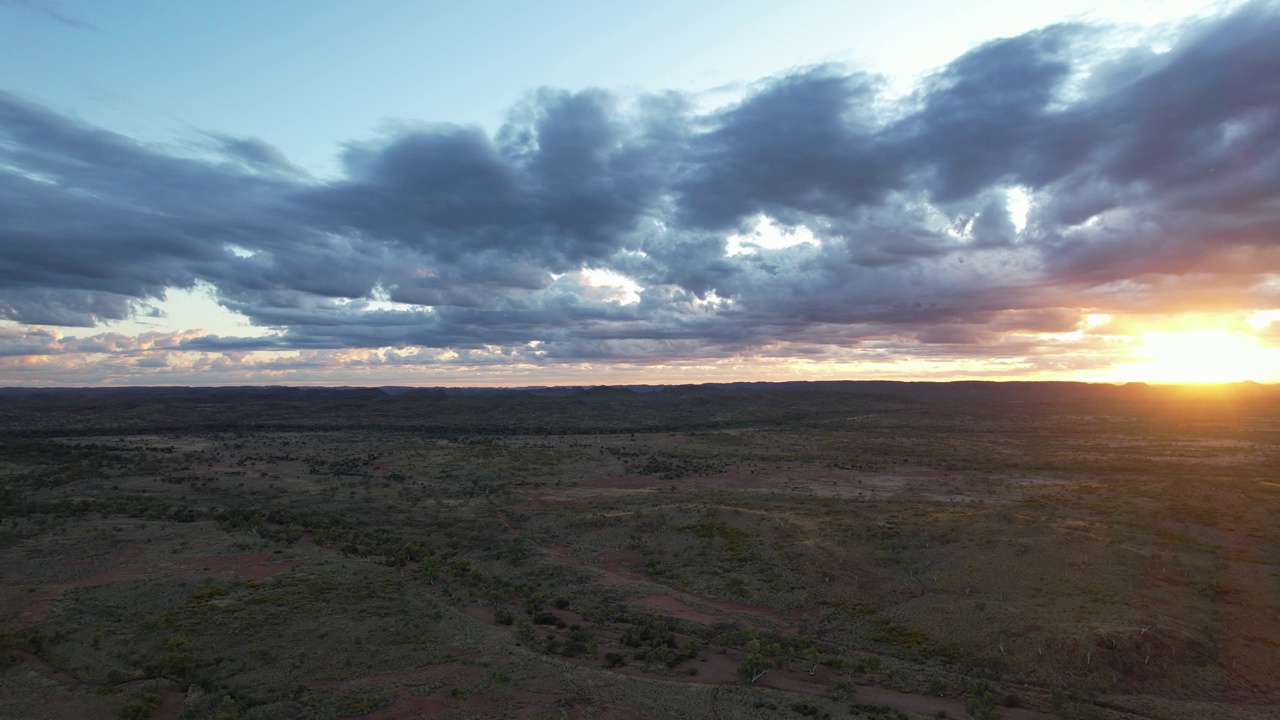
(616, 573)
(743, 480)
(479, 611)
(626, 482)
(739, 608)
(667, 605)
(622, 558)
(172, 702)
(39, 609)
(253, 567)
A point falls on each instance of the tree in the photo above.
(840, 691)
(980, 705)
(143, 709)
(842, 665)
(524, 630)
(755, 665)
(872, 664)
(690, 648)
(659, 658)
(811, 659)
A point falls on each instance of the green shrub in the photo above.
(143, 708)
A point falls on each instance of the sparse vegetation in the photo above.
(1078, 551)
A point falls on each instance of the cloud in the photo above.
(990, 117)
(564, 182)
(802, 145)
(1029, 182)
(255, 154)
(90, 215)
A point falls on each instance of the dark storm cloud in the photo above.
(1149, 175)
(90, 220)
(986, 118)
(565, 182)
(77, 308)
(804, 145)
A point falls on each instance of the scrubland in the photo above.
(875, 550)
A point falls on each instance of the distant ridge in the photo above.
(594, 409)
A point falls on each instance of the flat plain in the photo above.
(843, 550)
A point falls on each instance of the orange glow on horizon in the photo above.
(1209, 356)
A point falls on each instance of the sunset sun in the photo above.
(1211, 356)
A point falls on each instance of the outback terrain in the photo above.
(841, 550)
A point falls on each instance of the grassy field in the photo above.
(873, 550)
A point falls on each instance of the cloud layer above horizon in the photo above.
(1028, 186)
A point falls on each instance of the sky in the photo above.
(582, 193)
